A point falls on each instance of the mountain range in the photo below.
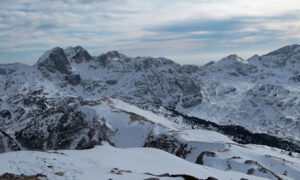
(230, 119)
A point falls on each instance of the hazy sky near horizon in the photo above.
(187, 31)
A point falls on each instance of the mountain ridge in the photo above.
(231, 86)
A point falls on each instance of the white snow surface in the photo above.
(229, 156)
(100, 162)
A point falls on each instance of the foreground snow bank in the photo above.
(104, 162)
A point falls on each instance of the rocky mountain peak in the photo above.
(233, 65)
(77, 54)
(113, 54)
(55, 60)
(233, 58)
(104, 59)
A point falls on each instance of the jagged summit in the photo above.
(113, 54)
(62, 61)
(78, 54)
(55, 60)
(105, 58)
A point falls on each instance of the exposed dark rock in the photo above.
(168, 143)
(35, 100)
(113, 54)
(184, 176)
(191, 100)
(119, 171)
(59, 124)
(10, 176)
(201, 156)
(191, 92)
(104, 59)
(73, 79)
(250, 171)
(211, 178)
(60, 173)
(260, 168)
(146, 63)
(265, 90)
(7, 143)
(188, 69)
(5, 114)
(61, 132)
(36, 92)
(81, 55)
(178, 89)
(111, 82)
(55, 60)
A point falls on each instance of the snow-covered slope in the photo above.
(106, 162)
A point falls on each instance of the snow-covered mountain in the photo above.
(261, 93)
(72, 100)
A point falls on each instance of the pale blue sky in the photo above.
(187, 31)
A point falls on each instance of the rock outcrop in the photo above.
(55, 60)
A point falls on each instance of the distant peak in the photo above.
(79, 48)
(105, 59)
(74, 49)
(233, 58)
(113, 54)
(285, 50)
(55, 60)
(46, 55)
(252, 58)
(77, 54)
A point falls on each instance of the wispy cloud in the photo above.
(172, 28)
